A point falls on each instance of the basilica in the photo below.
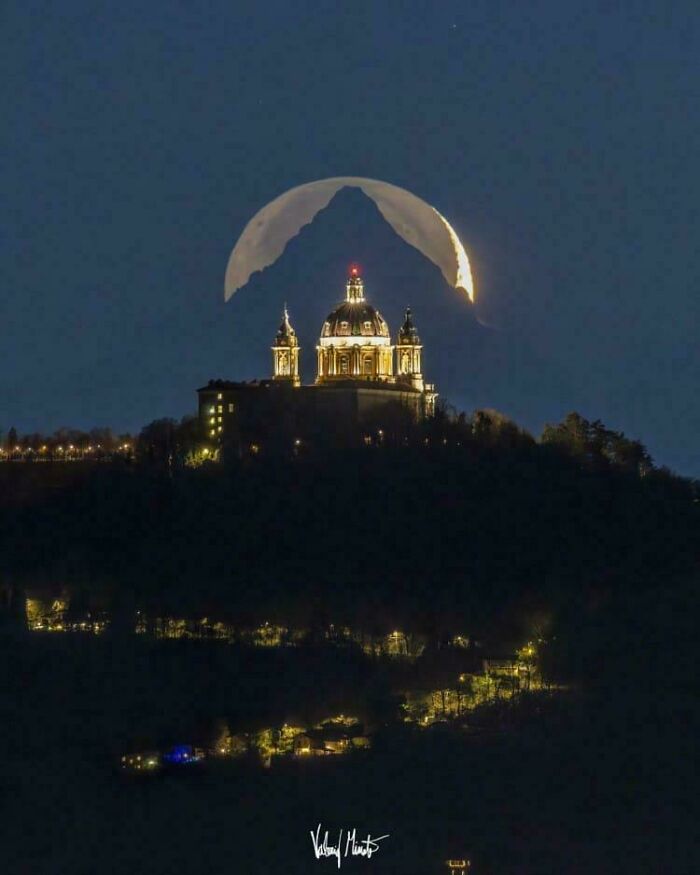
(364, 383)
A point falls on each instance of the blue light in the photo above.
(180, 753)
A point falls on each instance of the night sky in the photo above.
(560, 139)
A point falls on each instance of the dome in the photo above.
(355, 321)
(360, 320)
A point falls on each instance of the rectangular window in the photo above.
(221, 408)
(230, 408)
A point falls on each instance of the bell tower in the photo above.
(408, 354)
(285, 353)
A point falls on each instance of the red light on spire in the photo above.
(354, 270)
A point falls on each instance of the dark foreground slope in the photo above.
(482, 535)
(595, 780)
(435, 536)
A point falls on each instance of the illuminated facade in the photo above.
(363, 382)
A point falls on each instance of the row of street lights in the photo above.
(67, 452)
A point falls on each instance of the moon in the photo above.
(265, 236)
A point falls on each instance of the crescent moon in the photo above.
(265, 236)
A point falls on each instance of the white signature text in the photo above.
(350, 846)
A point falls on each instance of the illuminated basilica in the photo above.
(362, 379)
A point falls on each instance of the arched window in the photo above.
(344, 364)
(284, 364)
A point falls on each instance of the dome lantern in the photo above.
(354, 288)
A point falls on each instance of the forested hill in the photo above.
(466, 520)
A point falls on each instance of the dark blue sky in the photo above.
(561, 140)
